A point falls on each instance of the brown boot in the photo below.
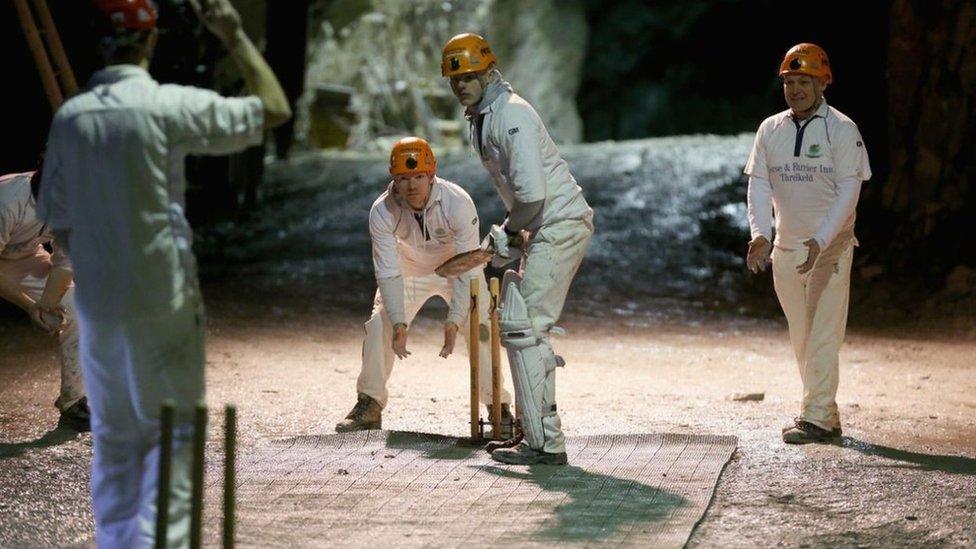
(366, 414)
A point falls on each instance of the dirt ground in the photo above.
(905, 474)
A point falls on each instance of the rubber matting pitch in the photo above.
(385, 488)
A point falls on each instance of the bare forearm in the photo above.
(259, 79)
(10, 291)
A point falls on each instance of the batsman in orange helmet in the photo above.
(416, 225)
(806, 166)
(548, 213)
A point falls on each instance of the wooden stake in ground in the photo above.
(230, 453)
(496, 362)
(199, 447)
(166, 415)
(473, 358)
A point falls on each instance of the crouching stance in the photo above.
(40, 283)
(417, 224)
(544, 200)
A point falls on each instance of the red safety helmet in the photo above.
(129, 14)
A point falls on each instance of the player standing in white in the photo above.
(806, 169)
(547, 216)
(113, 194)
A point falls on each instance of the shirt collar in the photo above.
(821, 111)
(117, 73)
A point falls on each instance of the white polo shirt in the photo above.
(114, 177)
(22, 233)
(525, 166)
(802, 160)
(410, 244)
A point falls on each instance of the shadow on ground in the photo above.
(596, 506)
(443, 447)
(926, 462)
(54, 437)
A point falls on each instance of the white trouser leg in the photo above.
(378, 344)
(130, 368)
(116, 437)
(815, 305)
(72, 386)
(484, 340)
(553, 257)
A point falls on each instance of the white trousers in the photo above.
(815, 304)
(552, 258)
(130, 368)
(32, 272)
(378, 345)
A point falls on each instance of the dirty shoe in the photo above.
(525, 455)
(366, 414)
(804, 432)
(508, 422)
(77, 417)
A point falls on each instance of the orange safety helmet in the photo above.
(129, 14)
(808, 59)
(465, 53)
(412, 155)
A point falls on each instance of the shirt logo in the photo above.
(439, 231)
(474, 221)
(513, 131)
(859, 144)
(814, 151)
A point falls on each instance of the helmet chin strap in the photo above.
(806, 113)
(485, 79)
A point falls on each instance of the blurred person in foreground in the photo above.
(113, 193)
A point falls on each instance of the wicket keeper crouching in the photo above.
(417, 224)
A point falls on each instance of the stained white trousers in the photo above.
(552, 258)
(815, 304)
(378, 354)
(31, 272)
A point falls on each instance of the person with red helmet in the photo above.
(112, 192)
(548, 217)
(805, 171)
(417, 224)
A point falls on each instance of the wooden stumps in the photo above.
(199, 450)
(230, 457)
(496, 361)
(166, 416)
(473, 358)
